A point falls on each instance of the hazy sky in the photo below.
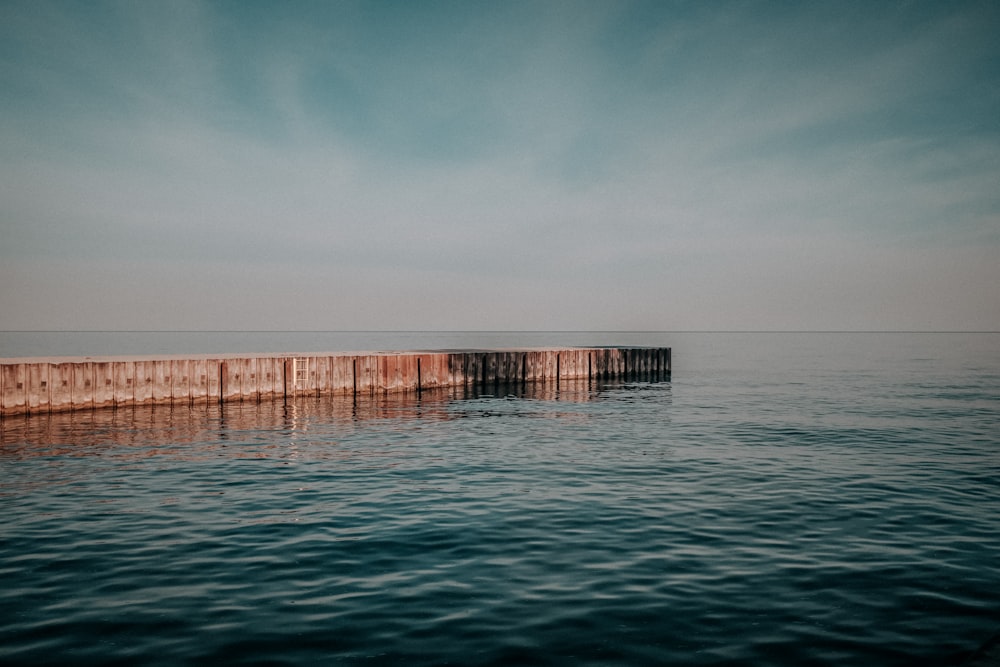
(499, 165)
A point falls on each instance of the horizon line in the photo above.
(527, 331)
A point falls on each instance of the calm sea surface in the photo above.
(786, 499)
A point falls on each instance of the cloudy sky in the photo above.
(499, 165)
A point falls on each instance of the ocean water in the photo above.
(784, 499)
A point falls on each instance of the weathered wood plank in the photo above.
(342, 375)
(104, 384)
(144, 371)
(180, 381)
(36, 387)
(250, 383)
(213, 372)
(61, 387)
(124, 379)
(160, 390)
(13, 389)
(365, 375)
(198, 384)
(269, 383)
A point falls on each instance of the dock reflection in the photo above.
(200, 431)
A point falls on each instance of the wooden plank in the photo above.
(232, 374)
(550, 365)
(323, 384)
(616, 363)
(394, 373)
(315, 376)
(433, 370)
(473, 370)
(443, 364)
(509, 367)
(265, 374)
(586, 364)
(144, 377)
(601, 364)
(265, 378)
(506, 371)
(366, 374)
(213, 373)
(342, 375)
(124, 380)
(36, 387)
(104, 384)
(279, 377)
(483, 376)
(515, 361)
(160, 391)
(642, 363)
(580, 370)
(61, 386)
(411, 375)
(288, 376)
(387, 373)
(247, 386)
(411, 372)
(602, 359)
(13, 390)
(572, 364)
(409, 365)
(180, 381)
(249, 382)
(491, 367)
(269, 385)
(457, 372)
(533, 366)
(198, 375)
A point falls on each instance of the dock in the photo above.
(61, 384)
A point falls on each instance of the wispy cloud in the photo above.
(715, 166)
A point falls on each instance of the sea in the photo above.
(782, 499)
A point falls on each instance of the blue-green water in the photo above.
(785, 499)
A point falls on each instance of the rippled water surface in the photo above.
(786, 499)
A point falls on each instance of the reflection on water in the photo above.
(273, 428)
(786, 500)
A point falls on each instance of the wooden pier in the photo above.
(42, 385)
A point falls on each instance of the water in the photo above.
(786, 499)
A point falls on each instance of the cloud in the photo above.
(740, 158)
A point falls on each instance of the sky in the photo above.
(708, 165)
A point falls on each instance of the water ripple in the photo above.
(735, 517)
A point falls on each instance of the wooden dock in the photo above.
(42, 385)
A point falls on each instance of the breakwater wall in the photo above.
(30, 386)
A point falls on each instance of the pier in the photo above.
(42, 385)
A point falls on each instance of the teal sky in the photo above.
(500, 165)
